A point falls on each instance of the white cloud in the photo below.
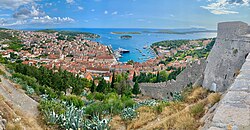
(115, 13)
(70, 1)
(9, 22)
(51, 20)
(28, 12)
(219, 12)
(45, 20)
(80, 7)
(220, 7)
(14, 4)
(4, 15)
(106, 12)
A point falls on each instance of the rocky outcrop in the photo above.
(233, 111)
(162, 90)
(2, 122)
(227, 56)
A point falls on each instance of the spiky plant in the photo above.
(96, 123)
(177, 96)
(128, 113)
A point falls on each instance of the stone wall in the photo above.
(227, 56)
(162, 90)
(231, 29)
(233, 110)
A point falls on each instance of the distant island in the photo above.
(125, 32)
(125, 37)
(71, 33)
(181, 31)
(4, 29)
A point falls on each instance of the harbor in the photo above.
(118, 53)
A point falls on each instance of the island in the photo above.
(181, 31)
(125, 32)
(125, 37)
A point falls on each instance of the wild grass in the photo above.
(185, 122)
(182, 115)
(145, 114)
(117, 123)
(197, 110)
(213, 98)
(197, 93)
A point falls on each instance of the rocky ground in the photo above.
(18, 110)
(2, 122)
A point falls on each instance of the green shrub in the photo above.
(48, 105)
(97, 107)
(90, 96)
(159, 108)
(99, 96)
(1, 72)
(75, 100)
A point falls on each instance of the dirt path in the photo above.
(19, 101)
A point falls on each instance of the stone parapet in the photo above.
(234, 108)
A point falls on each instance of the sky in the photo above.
(121, 13)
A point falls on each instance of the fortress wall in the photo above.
(234, 108)
(227, 56)
(163, 90)
(220, 69)
(231, 29)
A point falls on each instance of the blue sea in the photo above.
(138, 41)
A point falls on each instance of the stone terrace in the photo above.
(233, 111)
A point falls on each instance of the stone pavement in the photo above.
(233, 112)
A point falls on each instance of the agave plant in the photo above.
(51, 116)
(96, 123)
(29, 90)
(177, 96)
(128, 113)
(150, 102)
(73, 118)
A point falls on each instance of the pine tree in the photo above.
(136, 89)
(101, 86)
(134, 77)
(92, 88)
(113, 81)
